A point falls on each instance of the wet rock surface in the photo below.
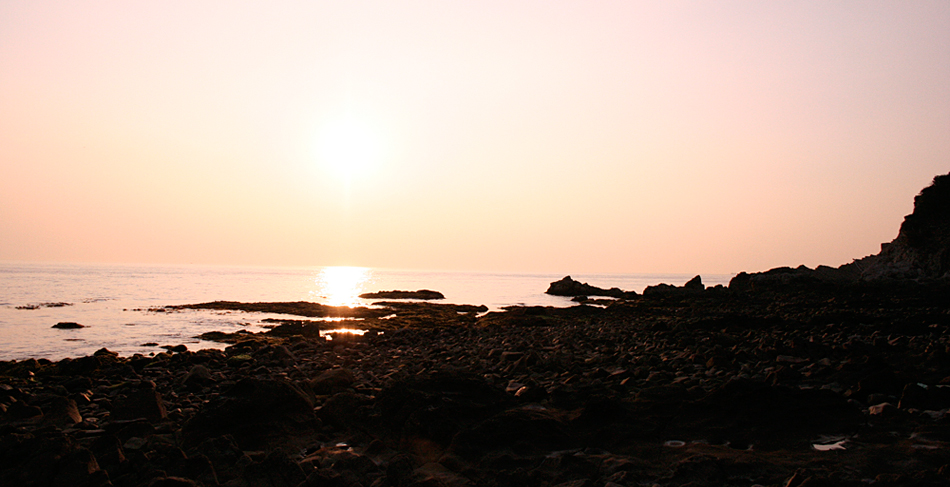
(843, 386)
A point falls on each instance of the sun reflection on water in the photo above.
(341, 286)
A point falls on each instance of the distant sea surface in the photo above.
(112, 301)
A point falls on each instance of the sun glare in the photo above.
(341, 286)
(349, 147)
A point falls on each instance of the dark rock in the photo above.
(239, 360)
(20, 411)
(289, 328)
(345, 410)
(695, 284)
(48, 461)
(787, 279)
(920, 396)
(885, 409)
(105, 352)
(108, 451)
(61, 411)
(399, 471)
(435, 474)
(126, 429)
(437, 408)
(224, 454)
(524, 430)
(276, 470)
(333, 380)
(570, 287)
(256, 412)
(330, 478)
(141, 401)
(692, 287)
(576, 483)
(420, 294)
(699, 470)
(172, 482)
(68, 325)
(78, 384)
(82, 366)
(197, 377)
(768, 417)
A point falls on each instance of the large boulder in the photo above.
(140, 400)
(692, 287)
(570, 287)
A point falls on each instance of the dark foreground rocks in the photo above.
(702, 388)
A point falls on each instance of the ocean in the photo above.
(112, 301)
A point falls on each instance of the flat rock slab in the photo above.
(420, 294)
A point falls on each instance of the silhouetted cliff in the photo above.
(922, 247)
(920, 251)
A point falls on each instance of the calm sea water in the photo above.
(112, 301)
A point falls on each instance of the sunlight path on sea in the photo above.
(340, 286)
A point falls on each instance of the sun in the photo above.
(349, 147)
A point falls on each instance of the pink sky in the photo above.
(513, 136)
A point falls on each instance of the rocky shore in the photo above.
(720, 388)
(792, 377)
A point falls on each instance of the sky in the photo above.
(547, 136)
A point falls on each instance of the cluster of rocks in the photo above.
(713, 388)
(569, 287)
